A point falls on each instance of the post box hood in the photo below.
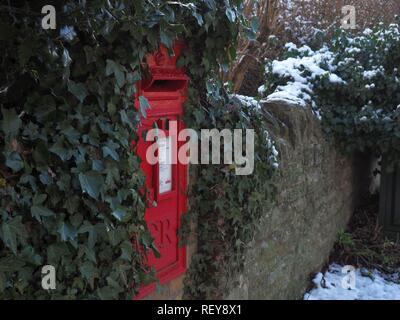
(164, 74)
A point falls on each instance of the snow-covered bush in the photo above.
(352, 83)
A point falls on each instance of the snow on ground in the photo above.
(336, 285)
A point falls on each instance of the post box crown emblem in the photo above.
(164, 78)
(162, 63)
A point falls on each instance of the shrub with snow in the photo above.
(352, 83)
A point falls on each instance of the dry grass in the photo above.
(363, 243)
(296, 21)
(300, 20)
(251, 53)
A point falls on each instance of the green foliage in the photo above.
(345, 239)
(362, 112)
(365, 114)
(70, 181)
(226, 206)
(364, 243)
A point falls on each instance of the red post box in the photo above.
(166, 91)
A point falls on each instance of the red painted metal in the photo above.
(166, 91)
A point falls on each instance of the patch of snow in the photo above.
(292, 93)
(368, 32)
(300, 71)
(333, 78)
(368, 285)
(353, 50)
(370, 86)
(261, 90)
(247, 101)
(369, 74)
(274, 157)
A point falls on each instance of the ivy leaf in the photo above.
(91, 183)
(59, 149)
(107, 151)
(39, 199)
(45, 178)
(67, 232)
(211, 4)
(198, 17)
(14, 161)
(97, 165)
(230, 13)
(119, 214)
(78, 90)
(166, 40)
(89, 272)
(11, 264)
(126, 250)
(107, 293)
(40, 211)
(25, 179)
(134, 77)
(9, 237)
(91, 230)
(144, 105)
(110, 150)
(90, 254)
(11, 123)
(41, 155)
(55, 252)
(115, 68)
(66, 58)
(31, 256)
(71, 134)
(126, 119)
(11, 231)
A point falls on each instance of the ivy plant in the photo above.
(227, 207)
(70, 179)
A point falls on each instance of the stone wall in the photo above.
(317, 191)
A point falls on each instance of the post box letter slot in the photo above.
(165, 85)
(165, 167)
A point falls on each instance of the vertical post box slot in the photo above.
(165, 166)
